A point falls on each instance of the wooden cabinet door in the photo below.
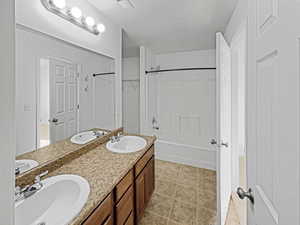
(109, 221)
(144, 188)
(149, 180)
(140, 195)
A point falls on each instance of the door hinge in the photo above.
(78, 106)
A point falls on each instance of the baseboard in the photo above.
(185, 154)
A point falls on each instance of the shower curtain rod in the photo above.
(102, 74)
(180, 69)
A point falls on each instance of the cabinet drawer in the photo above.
(130, 220)
(143, 161)
(124, 207)
(123, 185)
(101, 213)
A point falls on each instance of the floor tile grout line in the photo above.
(154, 213)
(201, 177)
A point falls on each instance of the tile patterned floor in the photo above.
(183, 195)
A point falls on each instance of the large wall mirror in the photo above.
(62, 90)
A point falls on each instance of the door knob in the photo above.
(243, 194)
(213, 142)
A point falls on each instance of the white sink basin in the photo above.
(58, 202)
(127, 144)
(25, 165)
(87, 136)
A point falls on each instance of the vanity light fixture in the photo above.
(60, 4)
(73, 15)
(89, 21)
(101, 28)
(76, 12)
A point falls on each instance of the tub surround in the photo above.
(102, 168)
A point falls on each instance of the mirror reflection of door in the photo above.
(57, 106)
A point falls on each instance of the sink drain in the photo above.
(41, 223)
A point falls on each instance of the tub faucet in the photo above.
(28, 190)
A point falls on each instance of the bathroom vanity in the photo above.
(120, 184)
(126, 204)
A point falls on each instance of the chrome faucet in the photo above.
(117, 138)
(28, 190)
(97, 134)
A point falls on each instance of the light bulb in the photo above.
(90, 21)
(100, 27)
(59, 3)
(76, 12)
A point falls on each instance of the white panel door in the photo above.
(63, 100)
(223, 121)
(273, 112)
(71, 100)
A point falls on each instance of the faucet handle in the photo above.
(37, 179)
(17, 171)
(17, 190)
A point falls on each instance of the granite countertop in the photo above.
(53, 151)
(103, 170)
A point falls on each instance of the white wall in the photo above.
(184, 105)
(30, 47)
(131, 68)
(7, 115)
(204, 58)
(35, 16)
(238, 19)
(44, 91)
(131, 95)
